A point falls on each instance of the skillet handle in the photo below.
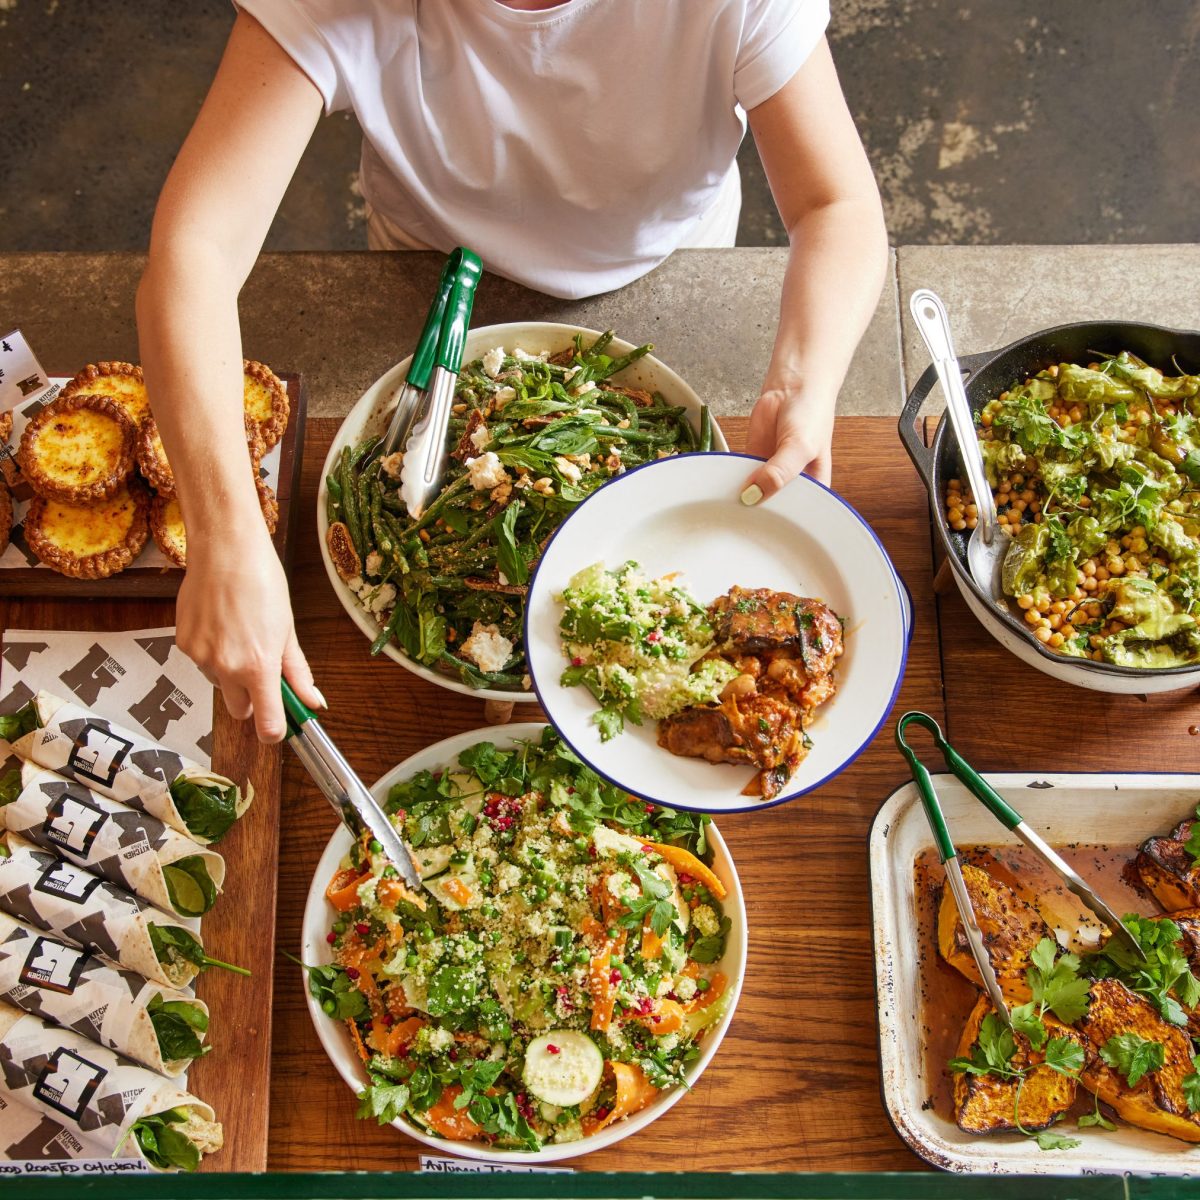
(910, 432)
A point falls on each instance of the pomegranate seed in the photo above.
(362, 928)
(649, 807)
(551, 1049)
(647, 848)
(614, 977)
(577, 661)
(331, 937)
(570, 791)
(388, 1019)
(685, 878)
(602, 1112)
(453, 1055)
(352, 972)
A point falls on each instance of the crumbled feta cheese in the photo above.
(527, 681)
(382, 598)
(584, 388)
(522, 356)
(664, 987)
(502, 397)
(440, 1039)
(571, 373)
(705, 920)
(392, 464)
(480, 437)
(356, 583)
(508, 877)
(619, 884)
(486, 472)
(569, 470)
(503, 578)
(685, 988)
(374, 562)
(493, 360)
(487, 647)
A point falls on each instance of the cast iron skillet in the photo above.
(988, 374)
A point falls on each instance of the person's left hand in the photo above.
(792, 427)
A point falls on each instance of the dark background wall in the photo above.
(987, 121)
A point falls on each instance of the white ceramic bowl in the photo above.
(372, 411)
(318, 916)
(683, 514)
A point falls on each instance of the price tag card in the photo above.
(433, 1164)
(21, 375)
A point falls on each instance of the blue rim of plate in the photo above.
(905, 642)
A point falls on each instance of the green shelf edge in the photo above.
(367, 1185)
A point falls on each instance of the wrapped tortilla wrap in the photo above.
(154, 1025)
(101, 1097)
(123, 845)
(125, 766)
(27, 1135)
(57, 897)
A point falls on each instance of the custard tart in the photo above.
(78, 449)
(266, 401)
(152, 458)
(5, 425)
(89, 541)
(120, 381)
(166, 521)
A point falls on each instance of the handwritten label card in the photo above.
(21, 375)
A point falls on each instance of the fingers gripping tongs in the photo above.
(350, 797)
(1011, 820)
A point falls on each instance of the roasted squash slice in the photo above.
(1011, 928)
(1167, 871)
(988, 1103)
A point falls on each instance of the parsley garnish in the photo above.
(1165, 977)
(1132, 1056)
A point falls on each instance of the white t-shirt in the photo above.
(573, 148)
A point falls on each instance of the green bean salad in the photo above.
(533, 436)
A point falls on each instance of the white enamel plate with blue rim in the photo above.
(683, 515)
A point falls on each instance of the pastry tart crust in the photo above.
(78, 449)
(266, 400)
(89, 541)
(120, 381)
(6, 517)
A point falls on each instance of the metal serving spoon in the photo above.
(986, 546)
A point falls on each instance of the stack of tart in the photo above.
(89, 454)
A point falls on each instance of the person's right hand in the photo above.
(234, 620)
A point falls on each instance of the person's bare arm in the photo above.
(233, 615)
(826, 195)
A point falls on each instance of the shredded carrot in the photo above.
(652, 943)
(593, 929)
(714, 991)
(391, 1039)
(685, 861)
(451, 1122)
(666, 1017)
(390, 892)
(342, 891)
(356, 1038)
(600, 984)
(634, 1092)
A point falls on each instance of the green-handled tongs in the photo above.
(1011, 820)
(350, 797)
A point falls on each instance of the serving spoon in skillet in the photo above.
(987, 546)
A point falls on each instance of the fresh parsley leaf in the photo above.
(334, 991)
(1049, 1140)
(1132, 1056)
(1165, 977)
(1065, 1056)
(609, 721)
(1191, 1087)
(711, 947)
(1027, 1021)
(1097, 1119)
(1056, 985)
(992, 1053)
(383, 1101)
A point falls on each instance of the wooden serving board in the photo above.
(795, 1085)
(138, 580)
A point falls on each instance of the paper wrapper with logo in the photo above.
(58, 897)
(101, 1097)
(28, 1135)
(154, 1025)
(121, 844)
(125, 766)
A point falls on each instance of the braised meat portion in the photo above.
(757, 621)
(785, 648)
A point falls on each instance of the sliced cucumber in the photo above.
(431, 860)
(563, 1067)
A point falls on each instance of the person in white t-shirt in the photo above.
(573, 144)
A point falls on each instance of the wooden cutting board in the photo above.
(159, 581)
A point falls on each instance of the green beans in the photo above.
(386, 634)
(706, 433)
(350, 501)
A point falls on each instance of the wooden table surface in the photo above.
(797, 1076)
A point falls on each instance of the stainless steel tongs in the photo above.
(1011, 820)
(341, 786)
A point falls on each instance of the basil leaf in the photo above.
(509, 558)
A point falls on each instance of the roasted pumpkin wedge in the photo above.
(1011, 928)
(1167, 870)
(988, 1103)
(1157, 1101)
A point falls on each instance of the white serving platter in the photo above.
(373, 410)
(318, 916)
(684, 515)
(1114, 810)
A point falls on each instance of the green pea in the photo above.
(329, 1006)
(412, 960)
(339, 926)
(612, 931)
(539, 894)
(376, 846)
(427, 933)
